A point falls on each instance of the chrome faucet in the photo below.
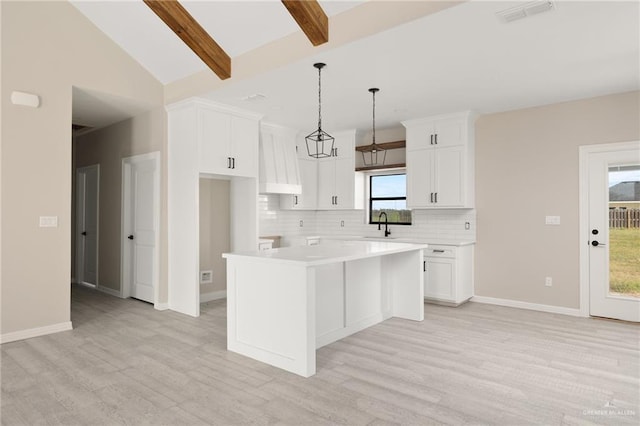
(387, 232)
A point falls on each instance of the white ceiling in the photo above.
(461, 58)
(238, 26)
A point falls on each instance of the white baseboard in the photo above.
(214, 295)
(35, 332)
(161, 306)
(110, 291)
(526, 305)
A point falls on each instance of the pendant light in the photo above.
(319, 143)
(370, 153)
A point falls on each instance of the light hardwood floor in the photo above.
(125, 363)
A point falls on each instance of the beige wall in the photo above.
(107, 147)
(48, 47)
(526, 168)
(215, 225)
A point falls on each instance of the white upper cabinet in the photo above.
(328, 183)
(339, 185)
(227, 141)
(308, 197)
(279, 171)
(440, 162)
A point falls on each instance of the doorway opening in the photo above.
(105, 130)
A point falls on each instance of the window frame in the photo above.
(371, 199)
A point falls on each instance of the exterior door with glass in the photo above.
(614, 232)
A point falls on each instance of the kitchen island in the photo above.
(283, 304)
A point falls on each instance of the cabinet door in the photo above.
(439, 279)
(420, 178)
(244, 147)
(326, 183)
(306, 200)
(419, 136)
(214, 139)
(344, 182)
(450, 132)
(448, 169)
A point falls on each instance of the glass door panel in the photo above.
(624, 231)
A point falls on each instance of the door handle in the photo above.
(295, 200)
(424, 266)
(436, 139)
(233, 162)
(336, 200)
(431, 142)
(436, 194)
(84, 233)
(130, 237)
(596, 244)
(228, 162)
(431, 197)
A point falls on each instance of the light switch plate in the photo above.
(552, 220)
(48, 221)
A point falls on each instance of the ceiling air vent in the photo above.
(525, 10)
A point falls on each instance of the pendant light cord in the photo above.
(374, 118)
(319, 99)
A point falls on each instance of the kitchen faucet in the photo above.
(387, 232)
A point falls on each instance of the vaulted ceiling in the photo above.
(463, 57)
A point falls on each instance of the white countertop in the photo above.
(329, 252)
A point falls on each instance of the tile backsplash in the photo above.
(427, 224)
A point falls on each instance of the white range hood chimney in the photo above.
(279, 173)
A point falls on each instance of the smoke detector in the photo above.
(525, 10)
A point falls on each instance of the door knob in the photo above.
(594, 231)
(130, 237)
(596, 244)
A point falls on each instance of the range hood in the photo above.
(279, 172)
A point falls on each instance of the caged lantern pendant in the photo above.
(371, 153)
(319, 143)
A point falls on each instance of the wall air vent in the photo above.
(254, 97)
(525, 10)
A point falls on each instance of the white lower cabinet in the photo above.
(448, 274)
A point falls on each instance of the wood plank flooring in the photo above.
(126, 363)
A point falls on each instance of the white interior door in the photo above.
(87, 195)
(140, 226)
(613, 248)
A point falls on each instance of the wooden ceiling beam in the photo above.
(193, 35)
(311, 19)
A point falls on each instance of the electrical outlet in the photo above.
(342, 223)
(548, 281)
(301, 223)
(467, 226)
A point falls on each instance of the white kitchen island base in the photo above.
(283, 304)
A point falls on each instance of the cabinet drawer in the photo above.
(440, 251)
